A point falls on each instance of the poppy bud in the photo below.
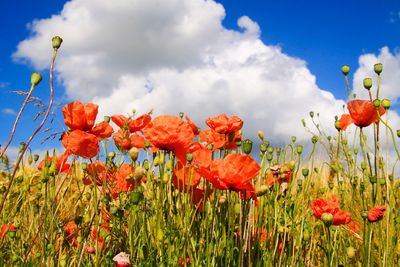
(84, 166)
(261, 135)
(293, 139)
(376, 103)
(363, 165)
(351, 252)
(345, 69)
(263, 147)
(311, 114)
(364, 215)
(56, 42)
(30, 159)
(378, 68)
(337, 125)
(373, 179)
(305, 172)
(269, 157)
(189, 157)
(134, 153)
(386, 103)
(111, 155)
(107, 119)
(181, 114)
(21, 147)
(367, 83)
(314, 139)
(35, 158)
(327, 218)
(36, 77)
(146, 165)
(299, 149)
(261, 190)
(247, 146)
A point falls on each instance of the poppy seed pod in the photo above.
(367, 83)
(263, 147)
(36, 78)
(107, 118)
(345, 69)
(398, 133)
(314, 139)
(385, 103)
(378, 68)
(35, 158)
(247, 146)
(311, 114)
(56, 42)
(299, 149)
(327, 218)
(134, 153)
(305, 172)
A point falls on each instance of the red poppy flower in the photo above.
(121, 183)
(99, 172)
(376, 213)
(332, 206)
(83, 138)
(234, 172)
(133, 125)
(194, 127)
(61, 163)
(125, 141)
(344, 121)
(170, 133)
(121, 260)
(279, 174)
(71, 231)
(223, 124)
(5, 228)
(211, 137)
(363, 112)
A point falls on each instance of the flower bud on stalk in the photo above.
(36, 78)
(56, 42)
(378, 68)
(345, 69)
(367, 83)
(247, 146)
(327, 218)
(385, 103)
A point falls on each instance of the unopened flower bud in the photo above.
(327, 218)
(134, 153)
(139, 173)
(378, 68)
(247, 146)
(385, 103)
(305, 172)
(189, 157)
(376, 103)
(293, 139)
(314, 139)
(299, 149)
(263, 147)
(345, 69)
(367, 83)
(56, 42)
(107, 119)
(35, 158)
(36, 78)
(311, 114)
(261, 135)
(111, 155)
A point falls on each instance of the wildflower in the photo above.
(344, 121)
(376, 213)
(363, 112)
(71, 231)
(121, 260)
(122, 184)
(234, 172)
(84, 136)
(331, 206)
(223, 124)
(133, 125)
(6, 228)
(194, 127)
(99, 172)
(170, 133)
(61, 163)
(211, 137)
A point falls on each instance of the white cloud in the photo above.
(175, 55)
(9, 111)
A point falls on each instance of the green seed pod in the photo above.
(269, 157)
(35, 158)
(56, 42)
(146, 165)
(107, 119)
(189, 157)
(345, 69)
(314, 139)
(367, 83)
(363, 165)
(111, 155)
(376, 103)
(311, 114)
(261, 190)
(293, 138)
(134, 154)
(305, 172)
(36, 78)
(247, 146)
(263, 148)
(386, 103)
(270, 150)
(378, 68)
(299, 149)
(327, 218)
(373, 179)
(364, 215)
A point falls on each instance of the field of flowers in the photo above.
(171, 194)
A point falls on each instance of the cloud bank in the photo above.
(176, 55)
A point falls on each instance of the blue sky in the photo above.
(323, 34)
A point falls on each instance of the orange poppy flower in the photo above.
(5, 228)
(125, 141)
(71, 231)
(61, 163)
(170, 133)
(83, 138)
(212, 137)
(344, 121)
(121, 183)
(376, 213)
(133, 125)
(332, 206)
(223, 124)
(194, 127)
(363, 112)
(99, 172)
(234, 172)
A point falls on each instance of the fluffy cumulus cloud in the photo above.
(175, 55)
